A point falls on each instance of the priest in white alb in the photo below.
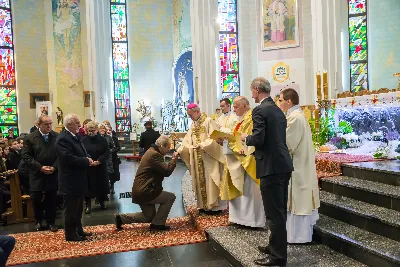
(204, 159)
(228, 119)
(239, 184)
(303, 197)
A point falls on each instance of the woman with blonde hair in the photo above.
(97, 184)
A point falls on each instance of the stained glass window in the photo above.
(8, 98)
(358, 45)
(120, 66)
(228, 48)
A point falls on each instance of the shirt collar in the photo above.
(70, 132)
(42, 133)
(290, 110)
(263, 99)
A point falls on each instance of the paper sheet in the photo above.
(216, 135)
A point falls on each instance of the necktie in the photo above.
(46, 138)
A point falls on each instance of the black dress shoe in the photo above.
(53, 228)
(85, 234)
(39, 227)
(269, 262)
(264, 249)
(76, 239)
(159, 227)
(118, 222)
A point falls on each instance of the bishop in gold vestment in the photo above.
(239, 183)
(205, 160)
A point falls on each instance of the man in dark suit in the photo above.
(274, 167)
(34, 127)
(39, 154)
(73, 161)
(148, 137)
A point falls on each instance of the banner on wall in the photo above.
(43, 108)
(283, 74)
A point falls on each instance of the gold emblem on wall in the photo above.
(280, 72)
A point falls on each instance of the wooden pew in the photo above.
(15, 214)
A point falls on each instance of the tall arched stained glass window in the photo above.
(8, 96)
(358, 45)
(120, 65)
(228, 48)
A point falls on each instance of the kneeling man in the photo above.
(147, 190)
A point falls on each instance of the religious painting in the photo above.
(37, 97)
(279, 24)
(43, 108)
(86, 98)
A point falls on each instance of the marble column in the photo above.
(326, 36)
(204, 18)
(99, 60)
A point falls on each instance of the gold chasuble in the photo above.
(236, 168)
(204, 163)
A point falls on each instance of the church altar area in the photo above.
(365, 125)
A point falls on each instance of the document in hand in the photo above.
(216, 135)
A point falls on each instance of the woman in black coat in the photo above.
(98, 184)
(115, 176)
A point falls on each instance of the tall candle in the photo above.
(316, 116)
(325, 84)
(318, 86)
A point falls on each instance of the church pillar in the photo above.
(326, 44)
(248, 21)
(204, 16)
(99, 60)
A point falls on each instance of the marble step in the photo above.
(361, 245)
(387, 171)
(382, 195)
(378, 220)
(239, 247)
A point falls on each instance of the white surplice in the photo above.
(303, 192)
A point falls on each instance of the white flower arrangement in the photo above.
(352, 139)
(377, 136)
(382, 152)
(365, 137)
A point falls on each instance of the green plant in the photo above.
(345, 127)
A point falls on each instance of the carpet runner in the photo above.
(45, 246)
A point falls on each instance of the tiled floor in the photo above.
(180, 256)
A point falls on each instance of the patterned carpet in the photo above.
(46, 246)
(202, 221)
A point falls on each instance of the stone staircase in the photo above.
(360, 213)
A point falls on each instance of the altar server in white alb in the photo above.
(303, 197)
(228, 119)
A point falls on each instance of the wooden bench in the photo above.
(15, 214)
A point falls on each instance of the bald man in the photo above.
(241, 185)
